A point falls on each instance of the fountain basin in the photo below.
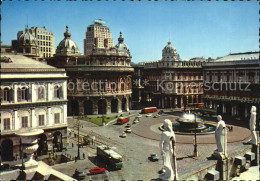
(189, 123)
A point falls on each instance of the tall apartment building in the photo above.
(97, 36)
(44, 38)
(46, 41)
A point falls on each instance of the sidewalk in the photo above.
(113, 114)
(253, 173)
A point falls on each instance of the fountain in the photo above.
(29, 143)
(189, 123)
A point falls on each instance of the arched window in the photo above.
(23, 94)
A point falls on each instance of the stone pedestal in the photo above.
(29, 141)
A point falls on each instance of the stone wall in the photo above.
(238, 160)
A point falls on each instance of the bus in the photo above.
(109, 156)
(122, 120)
(149, 110)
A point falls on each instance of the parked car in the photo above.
(135, 121)
(128, 130)
(123, 135)
(128, 125)
(156, 116)
(148, 115)
(97, 170)
(153, 157)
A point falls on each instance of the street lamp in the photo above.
(103, 108)
(77, 125)
(195, 152)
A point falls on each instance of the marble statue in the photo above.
(220, 135)
(252, 125)
(167, 151)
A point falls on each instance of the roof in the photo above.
(21, 62)
(110, 152)
(240, 56)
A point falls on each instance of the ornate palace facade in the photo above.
(170, 82)
(98, 83)
(33, 96)
(232, 84)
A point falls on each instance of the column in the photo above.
(246, 113)
(95, 107)
(33, 121)
(235, 110)
(232, 110)
(49, 93)
(119, 104)
(108, 108)
(65, 113)
(162, 102)
(81, 106)
(49, 117)
(127, 104)
(15, 94)
(33, 93)
(223, 108)
(15, 119)
(64, 89)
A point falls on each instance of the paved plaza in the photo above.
(138, 145)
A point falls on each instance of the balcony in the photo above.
(98, 94)
(233, 98)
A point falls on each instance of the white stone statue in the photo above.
(167, 150)
(220, 135)
(252, 125)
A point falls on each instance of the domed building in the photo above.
(66, 51)
(26, 44)
(180, 85)
(67, 46)
(169, 53)
(121, 46)
(99, 83)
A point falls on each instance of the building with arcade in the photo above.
(99, 82)
(33, 95)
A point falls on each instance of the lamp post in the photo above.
(195, 138)
(77, 125)
(103, 108)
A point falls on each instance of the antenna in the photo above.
(27, 20)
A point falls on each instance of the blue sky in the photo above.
(196, 29)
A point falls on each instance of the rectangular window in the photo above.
(24, 122)
(41, 120)
(57, 118)
(7, 124)
(40, 93)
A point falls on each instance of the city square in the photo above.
(129, 94)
